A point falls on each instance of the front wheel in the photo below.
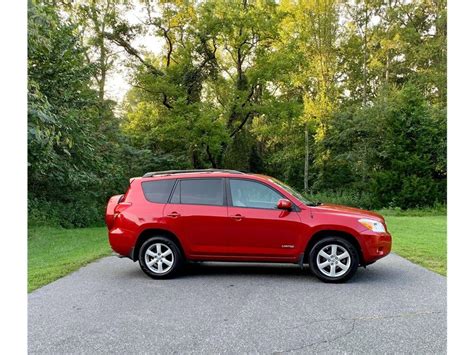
(333, 259)
(160, 258)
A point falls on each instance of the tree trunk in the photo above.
(210, 157)
(306, 157)
(366, 20)
(103, 71)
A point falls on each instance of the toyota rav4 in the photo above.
(170, 217)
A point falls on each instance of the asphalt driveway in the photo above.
(111, 306)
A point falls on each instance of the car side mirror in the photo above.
(284, 204)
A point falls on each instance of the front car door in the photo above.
(197, 213)
(258, 230)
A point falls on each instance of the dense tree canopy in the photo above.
(331, 96)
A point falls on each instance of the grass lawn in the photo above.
(421, 240)
(55, 252)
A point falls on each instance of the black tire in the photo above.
(164, 243)
(351, 262)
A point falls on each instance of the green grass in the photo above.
(56, 252)
(420, 239)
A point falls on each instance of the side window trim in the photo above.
(178, 184)
(229, 193)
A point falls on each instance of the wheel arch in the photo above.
(155, 232)
(333, 233)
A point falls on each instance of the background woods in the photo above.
(343, 99)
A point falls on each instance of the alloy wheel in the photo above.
(159, 258)
(333, 260)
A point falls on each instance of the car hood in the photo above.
(347, 211)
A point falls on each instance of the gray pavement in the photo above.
(110, 306)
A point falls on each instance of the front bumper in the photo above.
(375, 246)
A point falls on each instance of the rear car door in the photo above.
(257, 228)
(197, 213)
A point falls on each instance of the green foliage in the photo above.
(392, 150)
(436, 210)
(199, 101)
(346, 197)
(41, 213)
(408, 176)
(75, 148)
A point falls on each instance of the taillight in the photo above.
(122, 206)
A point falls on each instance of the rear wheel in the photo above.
(333, 259)
(160, 258)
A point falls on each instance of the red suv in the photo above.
(167, 218)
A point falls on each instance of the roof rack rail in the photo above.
(170, 172)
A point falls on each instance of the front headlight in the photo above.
(372, 225)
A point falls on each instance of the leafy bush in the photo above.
(42, 213)
(343, 197)
(77, 214)
(436, 210)
(393, 150)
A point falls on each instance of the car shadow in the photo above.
(373, 274)
(242, 269)
(370, 274)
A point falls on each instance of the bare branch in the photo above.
(132, 51)
(241, 125)
(170, 44)
(165, 97)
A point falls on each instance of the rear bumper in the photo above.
(122, 242)
(375, 246)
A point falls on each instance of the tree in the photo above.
(212, 82)
(316, 23)
(72, 149)
(94, 19)
(392, 150)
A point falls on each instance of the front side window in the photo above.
(246, 193)
(158, 191)
(293, 192)
(201, 192)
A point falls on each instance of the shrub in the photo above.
(352, 198)
(78, 214)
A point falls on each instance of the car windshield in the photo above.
(294, 193)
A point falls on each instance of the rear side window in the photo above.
(158, 191)
(200, 192)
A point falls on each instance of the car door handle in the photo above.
(174, 215)
(237, 217)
